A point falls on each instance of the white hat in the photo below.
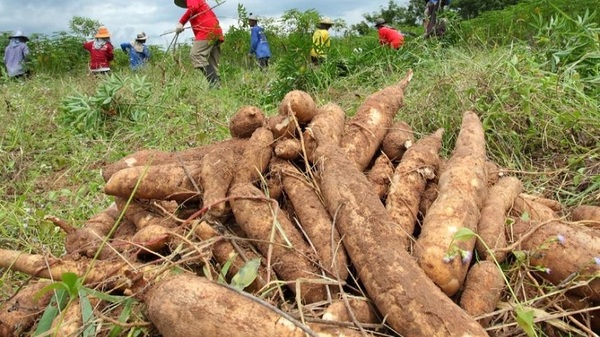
(326, 21)
(19, 33)
(252, 17)
(141, 37)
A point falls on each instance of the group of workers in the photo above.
(205, 52)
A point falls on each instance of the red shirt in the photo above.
(390, 36)
(99, 58)
(203, 20)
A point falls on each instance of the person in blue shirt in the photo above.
(137, 50)
(259, 46)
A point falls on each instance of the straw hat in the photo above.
(379, 22)
(102, 33)
(181, 3)
(326, 21)
(20, 34)
(141, 37)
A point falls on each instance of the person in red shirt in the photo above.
(208, 37)
(388, 36)
(101, 52)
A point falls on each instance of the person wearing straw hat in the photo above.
(15, 55)
(321, 41)
(259, 45)
(138, 52)
(101, 51)
(388, 36)
(208, 36)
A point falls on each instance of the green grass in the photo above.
(543, 125)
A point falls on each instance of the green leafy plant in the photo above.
(115, 96)
(244, 277)
(66, 292)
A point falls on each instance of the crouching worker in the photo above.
(388, 36)
(208, 36)
(137, 51)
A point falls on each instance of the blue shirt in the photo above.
(14, 57)
(258, 42)
(136, 59)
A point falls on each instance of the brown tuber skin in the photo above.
(223, 250)
(315, 220)
(565, 250)
(326, 127)
(288, 148)
(462, 191)
(216, 175)
(589, 214)
(492, 224)
(362, 311)
(552, 204)
(532, 210)
(19, 313)
(247, 119)
(142, 214)
(380, 175)
(398, 139)
(413, 306)
(290, 254)
(299, 104)
(255, 159)
(88, 239)
(483, 290)
(187, 305)
(365, 131)
(418, 165)
(162, 182)
(282, 126)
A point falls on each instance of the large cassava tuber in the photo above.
(462, 191)
(247, 119)
(187, 305)
(412, 304)
(492, 224)
(563, 252)
(365, 131)
(418, 165)
(262, 220)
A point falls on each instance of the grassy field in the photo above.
(58, 131)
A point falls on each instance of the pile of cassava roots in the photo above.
(313, 223)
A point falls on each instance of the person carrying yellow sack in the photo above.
(321, 41)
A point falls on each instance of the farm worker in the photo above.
(388, 36)
(208, 36)
(137, 50)
(101, 52)
(259, 45)
(321, 41)
(15, 55)
(433, 26)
